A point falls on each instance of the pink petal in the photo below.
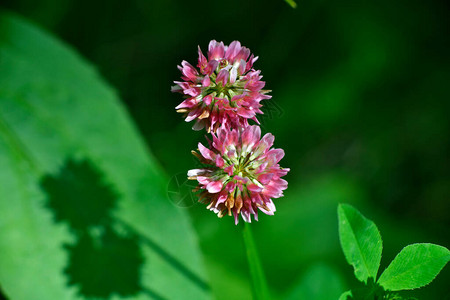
(233, 138)
(255, 85)
(216, 50)
(250, 62)
(267, 212)
(206, 153)
(268, 140)
(204, 180)
(242, 54)
(233, 75)
(192, 115)
(283, 171)
(219, 161)
(214, 187)
(229, 170)
(265, 143)
(271, 205)
(256, 215)
(189, 71)
(251, 135)
(272, 191)
(246, 216)
(206, 81)
(211, 67)
(236, 218)
(207, 99)
(275, 155)
(201, 59)
(242, 65)
(231, 185)
(282, 184)
(188, 103)
(222, 198)
(193, 91)
(232, 50)
(245, 112)
(265, 178)
(254, 188)
(222, 77)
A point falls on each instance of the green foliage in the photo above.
(363, 98)
(319, 282)
(360, 241)
(414, 267)
(291, 3)
(84, 205)
(371, 291)
(345, 295)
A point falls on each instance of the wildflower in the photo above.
(225, 90)
(242, 173)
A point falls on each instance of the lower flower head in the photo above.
(241, 173)
(225, 90)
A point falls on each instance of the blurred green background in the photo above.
(361, 106)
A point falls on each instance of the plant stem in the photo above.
(259, 284)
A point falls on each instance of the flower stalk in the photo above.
(259, 284)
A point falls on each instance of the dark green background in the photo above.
(361, 93)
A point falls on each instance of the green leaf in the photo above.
(360, 241)
(345, 295)
(291, 3)
(320, 282)
(414, 267)
(84, 207)
(368, 292)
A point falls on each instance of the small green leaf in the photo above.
(360, 241)
(345, 295)
(414, 267)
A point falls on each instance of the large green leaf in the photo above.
(84, 211)
(414, 267)
(360, 241)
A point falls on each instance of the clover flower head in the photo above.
(241, 173)
(225, 91)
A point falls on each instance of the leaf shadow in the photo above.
(2, 294)
(102, 260)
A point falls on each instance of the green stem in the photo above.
(259, 284)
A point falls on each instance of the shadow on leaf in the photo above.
(2, 295)
(79, 196)
(113, 265)
(102, 262)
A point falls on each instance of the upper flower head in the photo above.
(224, 91)
(242, 173)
